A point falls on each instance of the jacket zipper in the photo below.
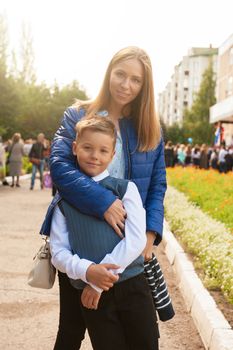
(125, 134)
(129, 160)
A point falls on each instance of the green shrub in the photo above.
(27, 165)
(209, 240)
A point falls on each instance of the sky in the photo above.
(75, 39)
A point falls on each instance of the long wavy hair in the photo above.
(141, 109)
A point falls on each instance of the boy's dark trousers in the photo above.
(125, 318)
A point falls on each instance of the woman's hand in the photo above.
(115, 217)
(147, 252)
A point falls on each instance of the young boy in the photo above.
(96, 259)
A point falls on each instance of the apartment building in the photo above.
(222, 112)
(185, 83)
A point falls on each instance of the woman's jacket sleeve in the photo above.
(155, 197)
(76, 188)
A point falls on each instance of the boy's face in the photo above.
(94, 151)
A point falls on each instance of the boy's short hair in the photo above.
(96, 124)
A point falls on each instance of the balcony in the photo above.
(222, 111)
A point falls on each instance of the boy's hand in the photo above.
(147, 252)
(90, 298)
(101, 277)
(115, 217)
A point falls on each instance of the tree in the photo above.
(27, 73)
(196, 120)
(3, 47)
(25, 105)
(174, 133)
(8, 97)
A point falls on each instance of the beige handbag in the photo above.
(43, 273)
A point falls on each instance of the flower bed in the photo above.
(212, 191)
(209, 240)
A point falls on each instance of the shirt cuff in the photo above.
(108, 259)
(99, 290)
(82, 269)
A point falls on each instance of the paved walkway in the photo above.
(29, 317)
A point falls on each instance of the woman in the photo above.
(169, 154)
(188, 153)
(181, 155)
(127, 94)
(196, 156)
(16, 154)
(2, 161)
(204, 163)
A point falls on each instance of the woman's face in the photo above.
(126, 80)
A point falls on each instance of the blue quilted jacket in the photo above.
(145, 169)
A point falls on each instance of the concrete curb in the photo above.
(214, 329)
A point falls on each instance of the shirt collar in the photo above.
(101, 176)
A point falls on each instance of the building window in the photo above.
(186, 72)
(231, 55)
(186, 89)
(185, 103)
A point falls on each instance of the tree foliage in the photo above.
(26, 106)
(196, 120)
(174, 133)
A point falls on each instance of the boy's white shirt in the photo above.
(125, 252)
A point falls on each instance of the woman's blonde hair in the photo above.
(16, 137)
(142, 109)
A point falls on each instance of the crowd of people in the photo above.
(12, 153)
(202, 157)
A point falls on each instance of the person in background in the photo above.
(222, 159)
(203, 157)
(15, 157)
(209, 152)
(169, 154)
(46, 154)
(176, 153)
(214, 158)
(36, 157)
(188, 155)
(181, 155)
(27, 146)
(228, 158)
(3, 163)
(196, 156)
(230, 151)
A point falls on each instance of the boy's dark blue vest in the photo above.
(92, 238)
